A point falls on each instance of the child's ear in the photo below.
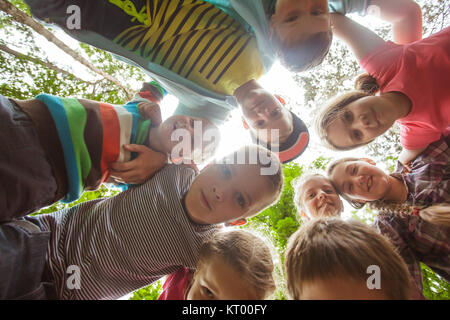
(245, 124)
(369, 161)
(235, 223)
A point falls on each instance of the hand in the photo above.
(152, 111)
(139, 170)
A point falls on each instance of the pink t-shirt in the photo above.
(176, 284)
(421, 71)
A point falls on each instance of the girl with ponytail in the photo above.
(405, 84)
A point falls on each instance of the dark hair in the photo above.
(305, 54)
(366, 83)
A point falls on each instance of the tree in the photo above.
(27, 69)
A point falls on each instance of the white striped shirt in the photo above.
(126, 242)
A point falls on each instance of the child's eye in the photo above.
(240, 200)
(290, 19)
(311, 195)
(348, 116)
(357, 135)
(260, 123)
(207, 292)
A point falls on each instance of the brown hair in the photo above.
(245, 252)
(305, 54)
(326, 248)
(365, 86)
(355, 204)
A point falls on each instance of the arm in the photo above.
(406, 156)
(139, 170)
(404, 15)
(361, 40)
(152, 111)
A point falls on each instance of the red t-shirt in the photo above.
(421, 71)
(176, 284)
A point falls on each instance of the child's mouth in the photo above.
(204, 200)
(369, 183)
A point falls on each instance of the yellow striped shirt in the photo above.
(193, 39)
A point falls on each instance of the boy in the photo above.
(125, 242)
(195, 50)
(300, 30)
(315, 197)
(332, 259)
(75, 141)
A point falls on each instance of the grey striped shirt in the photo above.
(126, 242)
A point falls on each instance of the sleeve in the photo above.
(349, 6)
(174, 288)
(151, 91)
(394, 229)
(413, 136)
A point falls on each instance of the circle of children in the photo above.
(209, 54)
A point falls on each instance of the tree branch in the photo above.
(23, 18)
(46, 64)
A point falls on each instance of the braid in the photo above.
(393, 207)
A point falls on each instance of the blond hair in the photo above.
(246, 253)
(326, 248)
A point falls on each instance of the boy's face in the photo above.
(185, 136)
(296, 20)
(217, 280)
(320, 199)
(360, 122)
(262, 112)
(360, 180)
(227, 192)
(340, 288)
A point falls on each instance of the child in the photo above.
(196, 51)
(332, 259)
(315, 197)
(232, 265)
(418, 104)
(400, 198)
(75, 141)
(300, 33)
(120, 244)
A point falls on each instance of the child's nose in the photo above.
(218, 193)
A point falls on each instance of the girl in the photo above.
(315, 197)
(413, 84)
(420, 235)
(233, 265)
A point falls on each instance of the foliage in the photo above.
(23, 79)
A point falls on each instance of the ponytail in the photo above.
(435, 214)
(367, 83)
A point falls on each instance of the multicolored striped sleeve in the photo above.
(92, 134)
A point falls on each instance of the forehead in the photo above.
(225, 280)
(317, 182)
(339, 133)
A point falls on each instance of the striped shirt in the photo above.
(192, 38)
(91, 135)
(125, 242)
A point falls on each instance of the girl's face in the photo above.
(218, 280)
(320, 198)
(296, 20)
(360, 122)
(360, 181)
